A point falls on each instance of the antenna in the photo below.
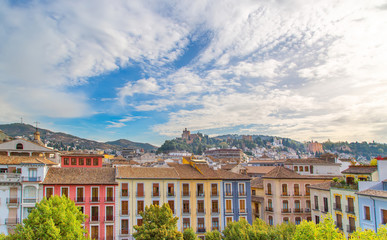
(36, 125)
(21, 120)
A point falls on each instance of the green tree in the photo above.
(237, 230)
(213, 235)
(189, 234)
(306, 230)
(158, 223)
(367, 234)
(285, 231)
(56, 218)
(374, 162)
(327, 230)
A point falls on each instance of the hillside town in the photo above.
(205, 192)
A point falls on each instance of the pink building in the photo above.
(81, 160)
(92, 190)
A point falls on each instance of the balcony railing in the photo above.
(297, 194)
(124, 231)
(109, 199)
(307, 194)
(200, 194)
(94, 218)
(214, 210)
(269, 193)
(229, 211)
(215, 228)
(185, 211)
(324, 210)
(269, 209)
(9, 177)
(11, 221)
(140, 194)
(339, 226)
(30, 179)
(201, 230)
(228, 193)
(124, 193)
(298, 210)
(80, 199)
(171, 194)
(155, 194)
(242, 211)
(94, 199)
(337, 207)
(307, 210)
(124, 212)
(286, 210)
(351, 228)
(214, 194)
(109, 218)
(12, 201)
(201, 211)
(242, 193)
(29, 200)
(350, 209)
(285, 194)
(185, 194)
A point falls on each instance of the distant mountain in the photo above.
(64, 141)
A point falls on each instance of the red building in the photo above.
(81, 160)
(92, 189)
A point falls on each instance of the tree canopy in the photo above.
(158, 223)
(56, 218)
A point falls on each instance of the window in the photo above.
(95, 161)
(140, 189)
(200, 190)
(109, 194)
(88, 161)
(201, 227)
(339, 221)
(285, 220)
(271, 221)
(185, 189)
(186, 223)
(171, 189)
(95, 194)
(384, 216)
(109, 213)
(94, 213)
(269, 189)
(242, 205)
(81, 161)
(306, 168)
(297, 220)
(49, 192)
(228, 189)
(124, 190)
(171, 204)
(253, 192)
(215, 206)
(94, 232)
(307, 190)
(65, 191)
(296, 168)
(73, 161)
(200, 206)
(307, 203)
(155, 190)
(215, 223)
(285, 206)
(80, 194)
(326, 209)
(242, 191)
(284, 190)
(140, 206)
(338, 203)
(317, 219)
(228, 206)
(367, 215)
(350, 207)
(124, 226)
(156, 202)
(124, 208)
(296, 190)
(316, 202)
(228, 220)
(82, 209)
(139, 222)
(19, 146)
(352, 226)
(297, 208)
(270, 203)
(242, 217)
(66, 161)
(301, 168)
(186, 206)
(214, 189)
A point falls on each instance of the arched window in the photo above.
(269, 189)
(295, 168)
(19, 146)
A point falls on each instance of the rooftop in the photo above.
(309, 161)
(80, 176)
(322, 186)
(374, 193)
(18, 160)
(286, 173)
(259, 169)
(361, 169)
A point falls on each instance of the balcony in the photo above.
(124, 212)
(186, 211)
(124, 193)
(171, 194)
(229, 211)
(79, 199)
(214, 194)
(307, 194)
(94, 199)
(269, 209)
(29, 200)
(242, 211)
(285, 195)
(12, 221)
(297, 194)
(185, 194)
(200, 194)
(12, 201)
(139, 194)
(109, 218)
(337, 207)
(349, 209)
(351, 228)
(215, 228)
(298, 210)
(269, 193)
(109, 199)
(10, 177)
(124, 231)
(201, 211)
(30, 179)
(214, 210)
(155, 194)
(242, 194)
(325, 210)
(94, 218)
(286, 210)
(339, 226)
(307, 210)
(201, 230)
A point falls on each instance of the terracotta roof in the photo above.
(361, 169)
(257, 182)
(17, 160)
(146, 172)
(230, 175)
(186, 171)
(81, 155)
(228, 166)
(80, 176)
(286, 173)
(310, 161)
(322, 186)
(374, 193)
(259, 169)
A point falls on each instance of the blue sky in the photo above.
(144, 70)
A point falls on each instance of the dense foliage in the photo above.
(56, 218)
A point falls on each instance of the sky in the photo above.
(145, 70)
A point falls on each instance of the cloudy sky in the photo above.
(144, 70)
